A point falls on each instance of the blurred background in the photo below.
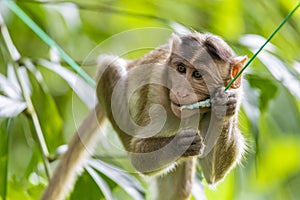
(36, 77)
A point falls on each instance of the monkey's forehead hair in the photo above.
(215, 46)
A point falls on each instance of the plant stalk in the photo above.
(22, 73)
(49, 41)
(261, 48)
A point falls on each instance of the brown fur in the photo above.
(134, 114)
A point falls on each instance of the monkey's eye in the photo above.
(181, 68)
(197, 74)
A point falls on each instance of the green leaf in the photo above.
(279, 160)
(16, 190)
(86, 188)
(274, 64)
(281, 72)
(128, 183)
(84, 91)
(250, 104)
(49, 117)
(198, 189)
(4, 155)
(285, 113)
(100, 183)
(250, 107)
(267, 88)
(225, 189)
(9, 88)
(24, 191)
(11, 102)
(11, 107)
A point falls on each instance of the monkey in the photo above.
(155, 105)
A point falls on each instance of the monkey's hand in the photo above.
(224, 103)
(188, 142)
(156, 154)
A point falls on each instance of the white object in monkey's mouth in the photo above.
(200, 104)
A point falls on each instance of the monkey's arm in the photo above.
(155, 155)
(71, 163)
(230, 144)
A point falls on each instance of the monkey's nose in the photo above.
(181, 95)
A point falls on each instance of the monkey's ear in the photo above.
(175, 41)
(236, 66)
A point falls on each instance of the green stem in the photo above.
(14, 57)
(261, 48)
(37, 30)
(12, 50)
(41, 140)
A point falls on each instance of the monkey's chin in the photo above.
(184, 113)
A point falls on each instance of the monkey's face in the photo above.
(187, 88)
(197, 66)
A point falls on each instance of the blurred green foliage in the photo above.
(270, 117)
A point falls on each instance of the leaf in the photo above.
(277, 67)
(12, 78)
(100, 182)
(4, 155)
(280, 71)
(49, 117)
(11, 48)
(17, 191)
(179, 29)
(85, 92)
(10, 89)
(124, 180)
(285, 113)
(29, 65)
(198, 190)
(297, 67)
(26, 86)
(267, 88)
(11, 107)
(255, 41)
(86, 188)
(69, 12)
(275, 170)
(250, 106)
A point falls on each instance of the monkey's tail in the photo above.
(79, 150)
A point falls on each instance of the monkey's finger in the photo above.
(231, 100)
(196, 147)
(231, 106)
(219, 100)
(231, 94)
(230, 110)
(197, 140)
(188, 132)
(193, 151)
(185, 141)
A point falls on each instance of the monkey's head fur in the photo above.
(205, 62)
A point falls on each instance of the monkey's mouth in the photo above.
(187, 110)
(206, 103)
